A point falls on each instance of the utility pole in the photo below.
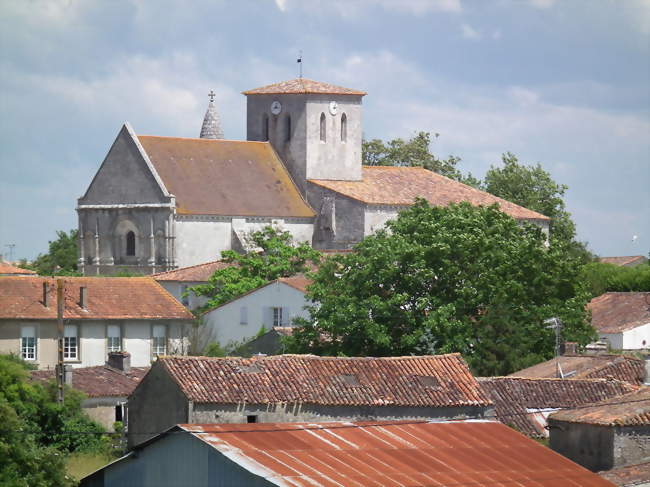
(60, 368)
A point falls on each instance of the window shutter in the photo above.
(286, 317)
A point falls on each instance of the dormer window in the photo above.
(323, 132)
(344, 127)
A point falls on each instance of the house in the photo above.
(275, 304)
(302, 388)
(622, 319)
(268, 343)
(524, 404)
(629, 476)
(106, 387)
(178, 281)
(158, 203)
(608, 434)
(101, 315)
(622, 367)
(628, 261)
(351, 454)
(7, 269)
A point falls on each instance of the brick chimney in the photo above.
(46, 301)
(570, 348)
(83, 297)
(120, 361)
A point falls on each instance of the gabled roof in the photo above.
(302, 86)
(225, 177)
(513, 397)
(621, 367)
(624, 261)
(6, 269)
(400, 186)
(618, 312)
(100, 381)
(108, 298)
(298, 282)
(427, 381)
(194, 273)
(631, 409)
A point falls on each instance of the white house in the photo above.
(275, 304)
(622, 319)
(101, 315)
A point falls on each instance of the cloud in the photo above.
(355, 8)
(542, 3)
(281, 4)
(469, 33)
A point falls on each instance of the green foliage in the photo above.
(61, 259)
(439, 280)
(214, 349)
(600, 278)
(276, 258)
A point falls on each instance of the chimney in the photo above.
(83, 297)
(570, 348)
(646, 379)
(46, 301)
(120, 361)
(67, 375)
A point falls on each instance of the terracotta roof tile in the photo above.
(195, 273)
(6, 269)
(629, 476)
(225, 177)
(621, 367)
(514, 396)
(631, 409)
(390, 185)
(100, 381)
(320, 380)
(302, 86)
(392, 453)
(299, 282)
(618, 312)
(108, 298)
(630, 260)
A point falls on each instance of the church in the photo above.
(159, 203)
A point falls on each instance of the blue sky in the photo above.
(563, 83)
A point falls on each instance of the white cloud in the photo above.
(355, 8)
(281, 4)
(543, 3)
(469, 32)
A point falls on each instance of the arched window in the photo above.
(323, 133)
(265, 127)
(344, 127)
(130, 243)
(288, 128)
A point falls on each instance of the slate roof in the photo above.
(621, 367)
(400, 186)
(195, 273)
(100, 381)
(6, 269)
(631, 409)
(391, 454)
(514, 396)
(434, 381)
(629, 260)
(628, 476)
(225, 177)
(108, 298)
(618, 312)
(302, 86)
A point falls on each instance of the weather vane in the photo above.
(299, 61)
(211, 95)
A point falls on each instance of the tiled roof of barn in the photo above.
(618, 312)
(400, 186)
(621, 367)
(100, 381)
(302, 86)
(107, 298)
(513, 396)
(427, 381)
(225, 177)
(631, 409)
(195, 273)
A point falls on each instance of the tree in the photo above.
(454, 279)
(276, 257)
(533, 188)
(61, 259)
(599, 278)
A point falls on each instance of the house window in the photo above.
(243, 315)
(159, 340)
(277, 316)
(113, 338)
(185, 297)
(130, 243)
(28, 342)
(265, 127)
(70, 342)
(119, 412)
(323, 132)
(288, 128)
(344, 127)
(251, 418)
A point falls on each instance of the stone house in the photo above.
(622, 320)
(291, 388)
(158, 203)
(355, 454)
(101, 315)
(609, 434)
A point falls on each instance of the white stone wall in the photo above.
(375, 218)
(224, 323)
(175, 288)
(201, 240)
(635, 339)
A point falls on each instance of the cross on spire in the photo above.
(211, 95)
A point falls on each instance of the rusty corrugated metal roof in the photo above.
(392, 185)
(387, 381)
(225, 177)
(386, 454)
(618, 312)
(302, 86)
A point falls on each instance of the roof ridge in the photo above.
(199, 139)
(187, 267)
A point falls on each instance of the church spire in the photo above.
(211, 128)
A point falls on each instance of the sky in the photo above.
(562, 83)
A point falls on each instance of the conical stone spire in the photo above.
(211, 128)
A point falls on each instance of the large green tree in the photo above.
(599, 278)
(61, 258)
(454, 279)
